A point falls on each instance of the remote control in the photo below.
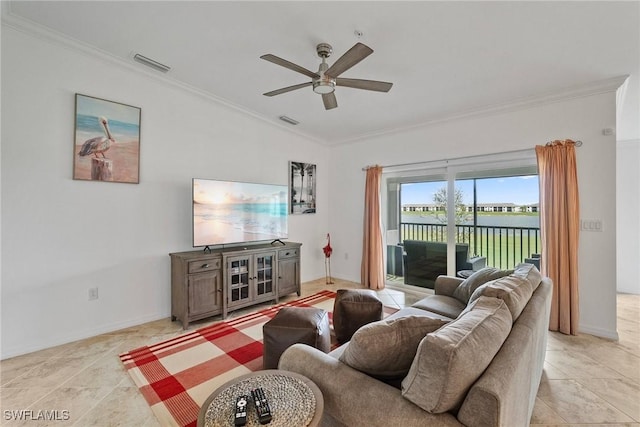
(262, 405)
(241, 410)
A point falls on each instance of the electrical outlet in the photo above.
(93, 294)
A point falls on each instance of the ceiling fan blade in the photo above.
(290, 65)
(287, 89)
(329, 100)
(354, 55)
(364, 84)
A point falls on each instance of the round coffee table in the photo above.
(294, 400)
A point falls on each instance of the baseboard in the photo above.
(89, 333)
(599, 332)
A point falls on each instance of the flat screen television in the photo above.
(226, 212)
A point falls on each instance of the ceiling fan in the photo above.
(326, 79)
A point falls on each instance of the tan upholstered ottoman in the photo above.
(292, 325)
(352, 309)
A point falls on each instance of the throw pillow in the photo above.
(464, 291)
(514, 290)
(451, 359)
(386, 348)
(530, 273)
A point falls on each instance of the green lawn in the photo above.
(508, 251)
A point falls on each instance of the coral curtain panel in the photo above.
(372, 270)
(559, 229)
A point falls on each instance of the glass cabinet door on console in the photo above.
(264, 275)
(251, 278)
(238, 280)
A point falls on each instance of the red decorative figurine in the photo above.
(327, 260)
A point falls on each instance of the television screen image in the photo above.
(234, 212)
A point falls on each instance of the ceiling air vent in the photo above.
(289, 120)
(151, 63)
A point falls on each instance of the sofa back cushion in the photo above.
(449, 360)
(529, 272)
(464, 291)
(515, 289)
(385, 349)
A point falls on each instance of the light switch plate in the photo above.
(591, 225)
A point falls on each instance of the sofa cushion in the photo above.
(441, 304)
(515, 289)
(449, 360)
(529, 272)
(464, 291)
(385, 349)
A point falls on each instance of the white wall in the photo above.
(62, 237)
(579, 119)
(628, 217)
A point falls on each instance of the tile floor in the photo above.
(587, 381)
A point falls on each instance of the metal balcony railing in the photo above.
(504, 247)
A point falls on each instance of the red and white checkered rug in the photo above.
(177, 375)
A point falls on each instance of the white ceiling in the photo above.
(444, 58)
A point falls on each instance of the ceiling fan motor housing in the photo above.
(324, 84)
(324, 50)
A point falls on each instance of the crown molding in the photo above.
(46, 34)
(594, 88)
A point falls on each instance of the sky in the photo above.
(521, 190)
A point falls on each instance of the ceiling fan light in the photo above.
(323, 87)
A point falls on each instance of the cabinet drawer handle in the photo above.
(286, 254)
(205, 266)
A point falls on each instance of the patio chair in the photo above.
(425, 261)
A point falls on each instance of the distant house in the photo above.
(422, 207)
(482, 207)
(497, 207)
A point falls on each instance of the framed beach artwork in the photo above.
(302, 188)
(106, 141)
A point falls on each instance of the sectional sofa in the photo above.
(472, 354)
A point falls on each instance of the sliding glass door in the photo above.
(461, 220)
(423, 231)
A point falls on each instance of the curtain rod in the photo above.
(578, 144)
